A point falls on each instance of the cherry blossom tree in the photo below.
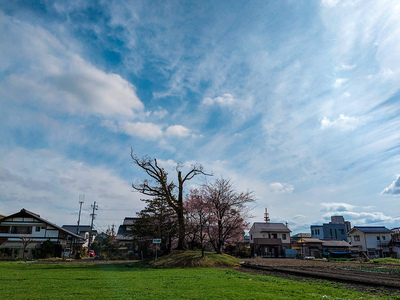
(228, 212)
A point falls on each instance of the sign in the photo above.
(156, 241)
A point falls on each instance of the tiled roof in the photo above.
(270, 227)
(373, 229)
(335, 243)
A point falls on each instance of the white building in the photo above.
(26, 231)
(371, 240)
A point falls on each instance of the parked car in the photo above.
(91, 253)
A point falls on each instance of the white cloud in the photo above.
(177, 130)
(277, 187)
(342, 123)
(336, 207)
(358, 215)
(394, 188)
(54, 76)
(147, 131)
(224, 100)
(330, 3)
(49, 184)
(339, 82)
(345, 67)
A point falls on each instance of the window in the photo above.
(342, 231)
(356, 238)
(383, 238)
(37, 228)
(283, 236)
(274, 236)
(21, 229)
(4, 229)
(378, 238)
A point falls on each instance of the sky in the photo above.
(297, 101)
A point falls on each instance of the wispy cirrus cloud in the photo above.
(342, 123)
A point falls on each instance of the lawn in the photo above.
(67, 280)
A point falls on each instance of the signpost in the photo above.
(157, 242)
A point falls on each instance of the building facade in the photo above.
(24, 231)
(372, 241)
(269, 239)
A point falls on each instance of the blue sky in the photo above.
(298, 101)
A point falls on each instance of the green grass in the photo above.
(386, 261)
(192, 259)
(19, 280)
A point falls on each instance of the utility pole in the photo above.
(95, 207)
(81, 200)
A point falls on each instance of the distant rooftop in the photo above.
(372, 229)
(275, 227)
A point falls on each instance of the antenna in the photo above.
(266, 216)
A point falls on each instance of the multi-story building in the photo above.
(269, 239)
(371, 240)
(335, 230)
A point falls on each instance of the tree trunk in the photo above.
(180, 213)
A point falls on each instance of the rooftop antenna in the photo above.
(266, 216)
(81, 200)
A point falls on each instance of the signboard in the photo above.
(156, 241)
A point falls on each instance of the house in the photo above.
(308, 247)
(83, 231)
(269, 239)
(336, 248)
(335, 230)
(296, 237)
(26, 232)
(124, 235)
(372, 241)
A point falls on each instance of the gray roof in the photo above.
(129, 221)
(335, 243)
(269, 227)
(373, 229)
(74, 228)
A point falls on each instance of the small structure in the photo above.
(296, 237)
(83, 231)
(269, 239)
(336, 249)
(24, 231)
(394, 244)
(372, 241)
(308, 247)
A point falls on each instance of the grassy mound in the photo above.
(193, 259)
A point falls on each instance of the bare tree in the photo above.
(159, 186)
(26, 241)
(229, 212)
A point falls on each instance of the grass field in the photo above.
(20, 280)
